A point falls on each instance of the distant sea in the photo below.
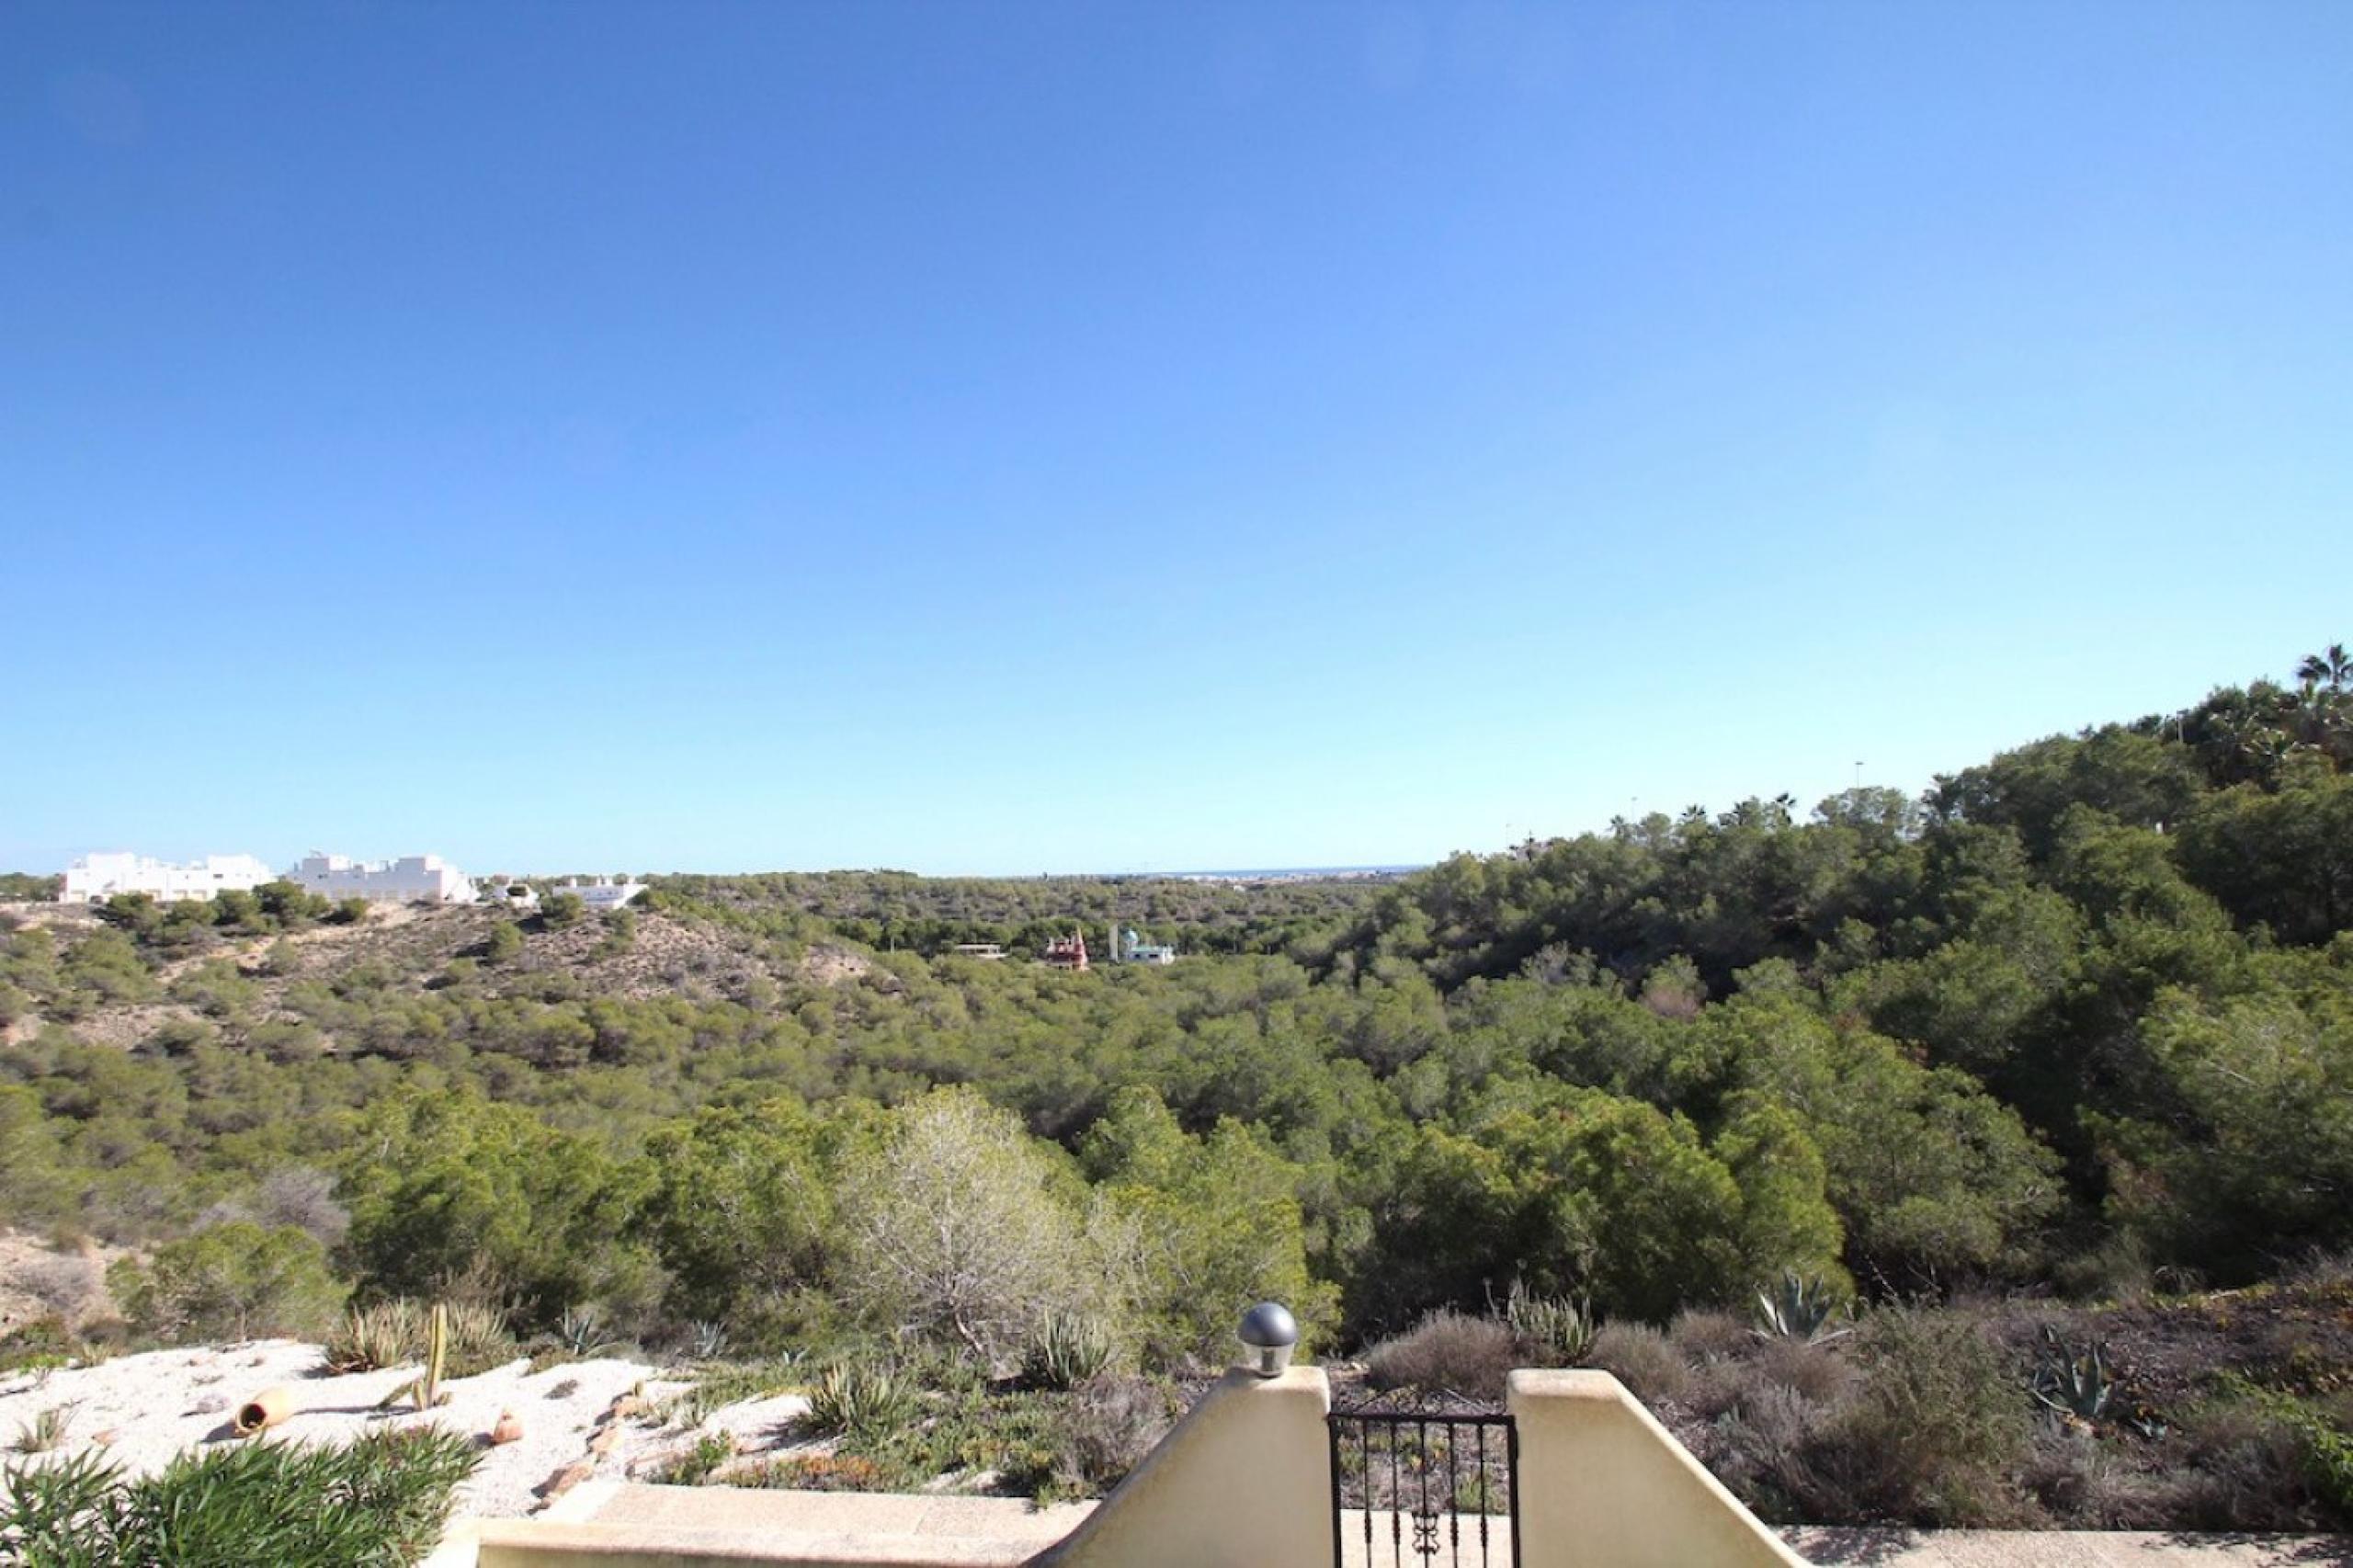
(1283, 873)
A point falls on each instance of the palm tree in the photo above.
(2332, 668)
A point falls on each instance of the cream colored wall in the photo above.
(1243, 1481)
(1604, 1486)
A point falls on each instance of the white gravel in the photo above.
(156, 1406)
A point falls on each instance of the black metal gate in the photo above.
(1416, 1487)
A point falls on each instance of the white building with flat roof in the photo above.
(93, 879)
(602, 894)
(412, 878)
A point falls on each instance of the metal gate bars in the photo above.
(1413, 1488)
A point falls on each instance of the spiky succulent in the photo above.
(1801, 1307)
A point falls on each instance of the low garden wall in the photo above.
(1242, 1482)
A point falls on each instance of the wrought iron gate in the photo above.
(1418, 1487)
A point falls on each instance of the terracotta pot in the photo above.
(506, 1430)
(266, 1408)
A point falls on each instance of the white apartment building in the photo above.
(93, 879)
(603, 893)
(412, 878)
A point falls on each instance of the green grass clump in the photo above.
(378, 1503)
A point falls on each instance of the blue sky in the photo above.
(994, 437)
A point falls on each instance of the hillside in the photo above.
(2066, 1043)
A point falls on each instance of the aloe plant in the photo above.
(1800, 1308)
(1069, 1349)
(853, 1397)
(1559, 1326)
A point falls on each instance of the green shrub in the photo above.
(232, 1281)
(699, 1462)
(2326, 1447)
(43, 1342)
(382, 1500)
(1940, 1427)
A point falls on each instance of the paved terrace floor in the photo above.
(720, 1524)
(2065, 1548)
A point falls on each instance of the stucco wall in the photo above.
(1604, 1486)
(1243, 1481)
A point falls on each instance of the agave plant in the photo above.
(1800, 1308)
(583, 1333)
(2072, 1382)
(711, 1340)
(370, 1338)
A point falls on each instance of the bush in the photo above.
(2323, 1449)
(959, 1230)
(66, 1284)
(1113, 1422)
(1732, 1383)
(1710, 1333)
(1638, 1356)
(384, 1499)
(1940, 1427)
(2242, 1471)
(697, 1462)
(1449, 1351)
(232, 1281)
(37, 1342)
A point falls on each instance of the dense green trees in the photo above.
(742, 1206)
(443, 1183)
(2085, 1004)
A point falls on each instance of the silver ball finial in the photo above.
(1270, 1331)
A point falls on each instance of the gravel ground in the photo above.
(147, 1408)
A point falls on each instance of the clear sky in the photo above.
(977, 437)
